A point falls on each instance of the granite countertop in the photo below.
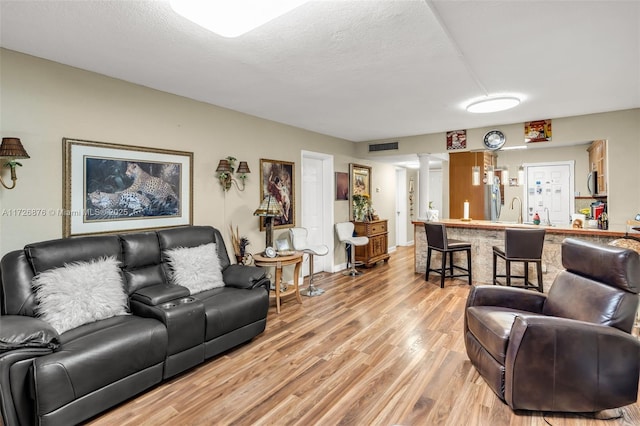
(613, 231)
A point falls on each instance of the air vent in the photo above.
(383, 146)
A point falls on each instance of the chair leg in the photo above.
(353, 272)
(451, 262)
(539, 271)
(526, 274)
(495, 264)
(311, 290)
(508, 272)
(443, 269)
(469, 264)
(426, 275)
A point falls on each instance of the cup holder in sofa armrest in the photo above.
(168, 305)
(174, 303)
(160, 294)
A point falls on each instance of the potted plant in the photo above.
(361, 207)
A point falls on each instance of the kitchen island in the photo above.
(483, 235)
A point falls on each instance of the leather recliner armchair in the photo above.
(570, 350)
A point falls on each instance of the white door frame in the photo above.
(327, 203)
(401, 207)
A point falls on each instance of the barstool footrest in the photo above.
(311, 291)
(526, 285)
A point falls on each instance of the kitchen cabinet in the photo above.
(378, 247)
(460, 187)
(598, 163)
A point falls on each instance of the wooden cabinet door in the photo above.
(378, 245)
(598, 163)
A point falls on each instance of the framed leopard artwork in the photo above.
(113, 188)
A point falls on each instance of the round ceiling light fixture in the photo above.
(493, 104)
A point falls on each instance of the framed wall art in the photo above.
(277, 179)
(456, 139)
(342, 186)
(112, 188)
(360, 179)
(537, 131)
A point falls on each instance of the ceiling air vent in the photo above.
(383, 146)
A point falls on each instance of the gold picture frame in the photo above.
(111, 188)
(359, 182)
(277, 178)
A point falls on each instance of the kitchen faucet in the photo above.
(547, 222)
(519, 208)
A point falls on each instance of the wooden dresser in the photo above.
(378, 247)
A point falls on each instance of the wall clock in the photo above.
(494, 139)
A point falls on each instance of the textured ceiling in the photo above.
(358, 70)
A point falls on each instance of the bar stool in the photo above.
(345, 235)
(299, 242)
(437, 240)
(520, 245)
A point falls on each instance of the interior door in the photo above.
(549, 190)
(317, 203)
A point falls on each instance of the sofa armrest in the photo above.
(506, 297)
(158, 294)
(244, 276)
(22, 332)
(16, 400)
(559, 364)
(22, 338)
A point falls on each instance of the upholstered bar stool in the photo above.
(345, 235)
(524, 246)
(437, 240)
(299, 242)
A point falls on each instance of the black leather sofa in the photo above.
(47, 378)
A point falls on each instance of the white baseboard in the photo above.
(340, 267)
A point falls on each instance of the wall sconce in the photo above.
(11, 149)
(225, 170)
(269, 208)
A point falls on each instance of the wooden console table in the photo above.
(278, 262)
(378, 247)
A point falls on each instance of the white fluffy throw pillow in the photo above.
(196, 268)
(80, 293)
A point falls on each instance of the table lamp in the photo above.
(269, 208)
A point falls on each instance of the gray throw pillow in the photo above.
(80, 293)
(196, 268)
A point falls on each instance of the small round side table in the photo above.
(278, 263)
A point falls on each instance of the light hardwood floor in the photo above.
(384, 348)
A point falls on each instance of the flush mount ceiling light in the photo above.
(493, 104)
(232, 18)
